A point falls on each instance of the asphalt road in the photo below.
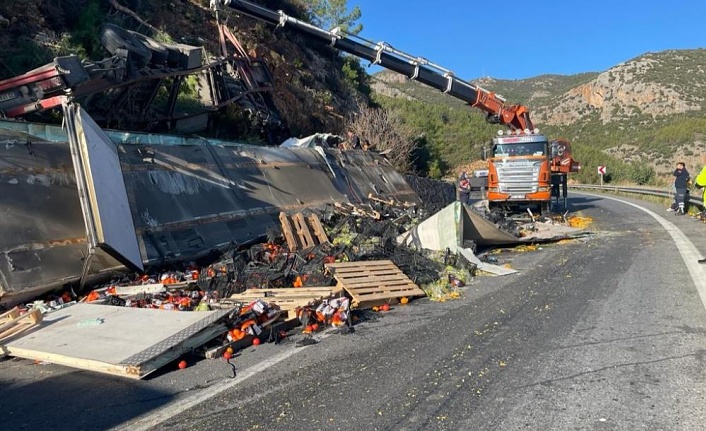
(603, 333)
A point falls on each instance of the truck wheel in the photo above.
(159, 52)
(545, 208)
(114, 38)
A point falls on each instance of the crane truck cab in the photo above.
(519, 171)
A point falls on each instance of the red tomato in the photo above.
(256, 342)
(182, 365)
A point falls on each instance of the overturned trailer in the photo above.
(185, 197)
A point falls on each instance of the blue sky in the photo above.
(521, 39)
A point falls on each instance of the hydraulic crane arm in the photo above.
(416, 68)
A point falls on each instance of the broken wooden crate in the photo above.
(13, 322)
(302, 232)
(123, 341)
(375, 282)
(287, 299)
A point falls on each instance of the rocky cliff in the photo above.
(652, 85)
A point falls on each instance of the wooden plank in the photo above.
(365, 288)
(367, 272)
(290, 291)
(319, 231)
(368, 281)
(32, 317)
(217, 352)
(250, 298)
(287, 232)
(9, 315)
(362, 263)
(303, 230)
(15, 326)
(137, 289)
(287, 304)
(287, 299)
(253, 296)
(363, 291)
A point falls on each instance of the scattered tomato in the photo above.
(182, 365)
(256, 342)
(227, 355)
(385, 307)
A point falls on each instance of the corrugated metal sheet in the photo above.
(188, 196)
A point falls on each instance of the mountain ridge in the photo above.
(636, 105)
(647, 112)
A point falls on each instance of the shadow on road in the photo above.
(579, 203)
(76, 400)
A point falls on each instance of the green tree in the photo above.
(335, 13)
(355, 76)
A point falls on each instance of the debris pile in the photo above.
(317, 271)
(435, 195)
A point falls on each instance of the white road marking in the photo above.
(180, 405)
(689, 253)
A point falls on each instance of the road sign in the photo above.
(601, 170)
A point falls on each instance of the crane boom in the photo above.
(381, 53)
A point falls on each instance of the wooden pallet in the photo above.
(13, 323)
(302, 232)
(372, 283)
(287, 299)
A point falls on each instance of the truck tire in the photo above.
(545, 208)
(160, 54)
(115, 38)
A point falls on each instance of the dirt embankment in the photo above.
(309, 89)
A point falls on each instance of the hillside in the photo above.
(638, 117)
(646, 112)
(312, 92)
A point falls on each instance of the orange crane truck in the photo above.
(525, 168)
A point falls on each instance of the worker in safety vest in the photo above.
(700, 180)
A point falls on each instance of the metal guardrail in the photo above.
(693, 200)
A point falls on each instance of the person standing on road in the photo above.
(700, 181)
(681, 187)
(464, 188)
